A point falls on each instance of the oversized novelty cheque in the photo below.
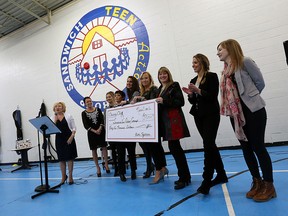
(133, 122)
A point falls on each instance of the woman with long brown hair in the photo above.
(203, 95)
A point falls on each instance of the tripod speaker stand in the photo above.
(46, 126)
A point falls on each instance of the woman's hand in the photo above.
(123, 103)
(98, 131)
(187, 90)
(70, 139)
(194, 88)
(159, 100)
(136, 99)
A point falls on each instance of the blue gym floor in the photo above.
(107, 195)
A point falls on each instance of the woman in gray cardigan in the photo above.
(241, 85)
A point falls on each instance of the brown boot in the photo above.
(255, 187)
(266, 192)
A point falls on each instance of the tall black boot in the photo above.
(204, 187)
(219, 179)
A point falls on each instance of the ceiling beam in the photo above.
(11, 17)
(48, 21)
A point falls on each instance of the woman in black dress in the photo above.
(65, 142)
(93, 122)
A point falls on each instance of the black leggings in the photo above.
(158, 155)
(208, 126)
(180, 159)
(146, 147)
(254, 149)
(121, 150)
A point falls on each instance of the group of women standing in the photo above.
(240, 87)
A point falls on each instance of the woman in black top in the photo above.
(65, 142)
(110, 98)
(202, 94)
(149, 91)
(132, 88)
(93, 122)
(122, 146)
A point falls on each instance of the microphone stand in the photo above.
(41, 187)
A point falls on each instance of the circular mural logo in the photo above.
(106, 45)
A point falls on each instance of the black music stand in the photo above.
(46, 126)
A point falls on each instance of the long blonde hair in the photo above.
(205, 65)
(235, 51)
(170, 79)
(142, 88)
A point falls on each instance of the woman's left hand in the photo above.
(194, 88)
(187, 90)
(159, 100)
(70, 139)
(98, 132)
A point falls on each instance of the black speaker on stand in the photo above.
(285, 43)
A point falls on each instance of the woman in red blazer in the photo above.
(172, 124)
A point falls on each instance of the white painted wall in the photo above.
(30, 60)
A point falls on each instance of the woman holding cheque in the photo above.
(151, 150)
(172, 124)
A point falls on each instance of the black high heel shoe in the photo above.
(122, 178)
(148, 173)
(98, 173)
(107, 170)
(133, 175)
(61, 183)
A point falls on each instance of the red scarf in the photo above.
(230, 102)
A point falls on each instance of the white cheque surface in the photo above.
(133, 123)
